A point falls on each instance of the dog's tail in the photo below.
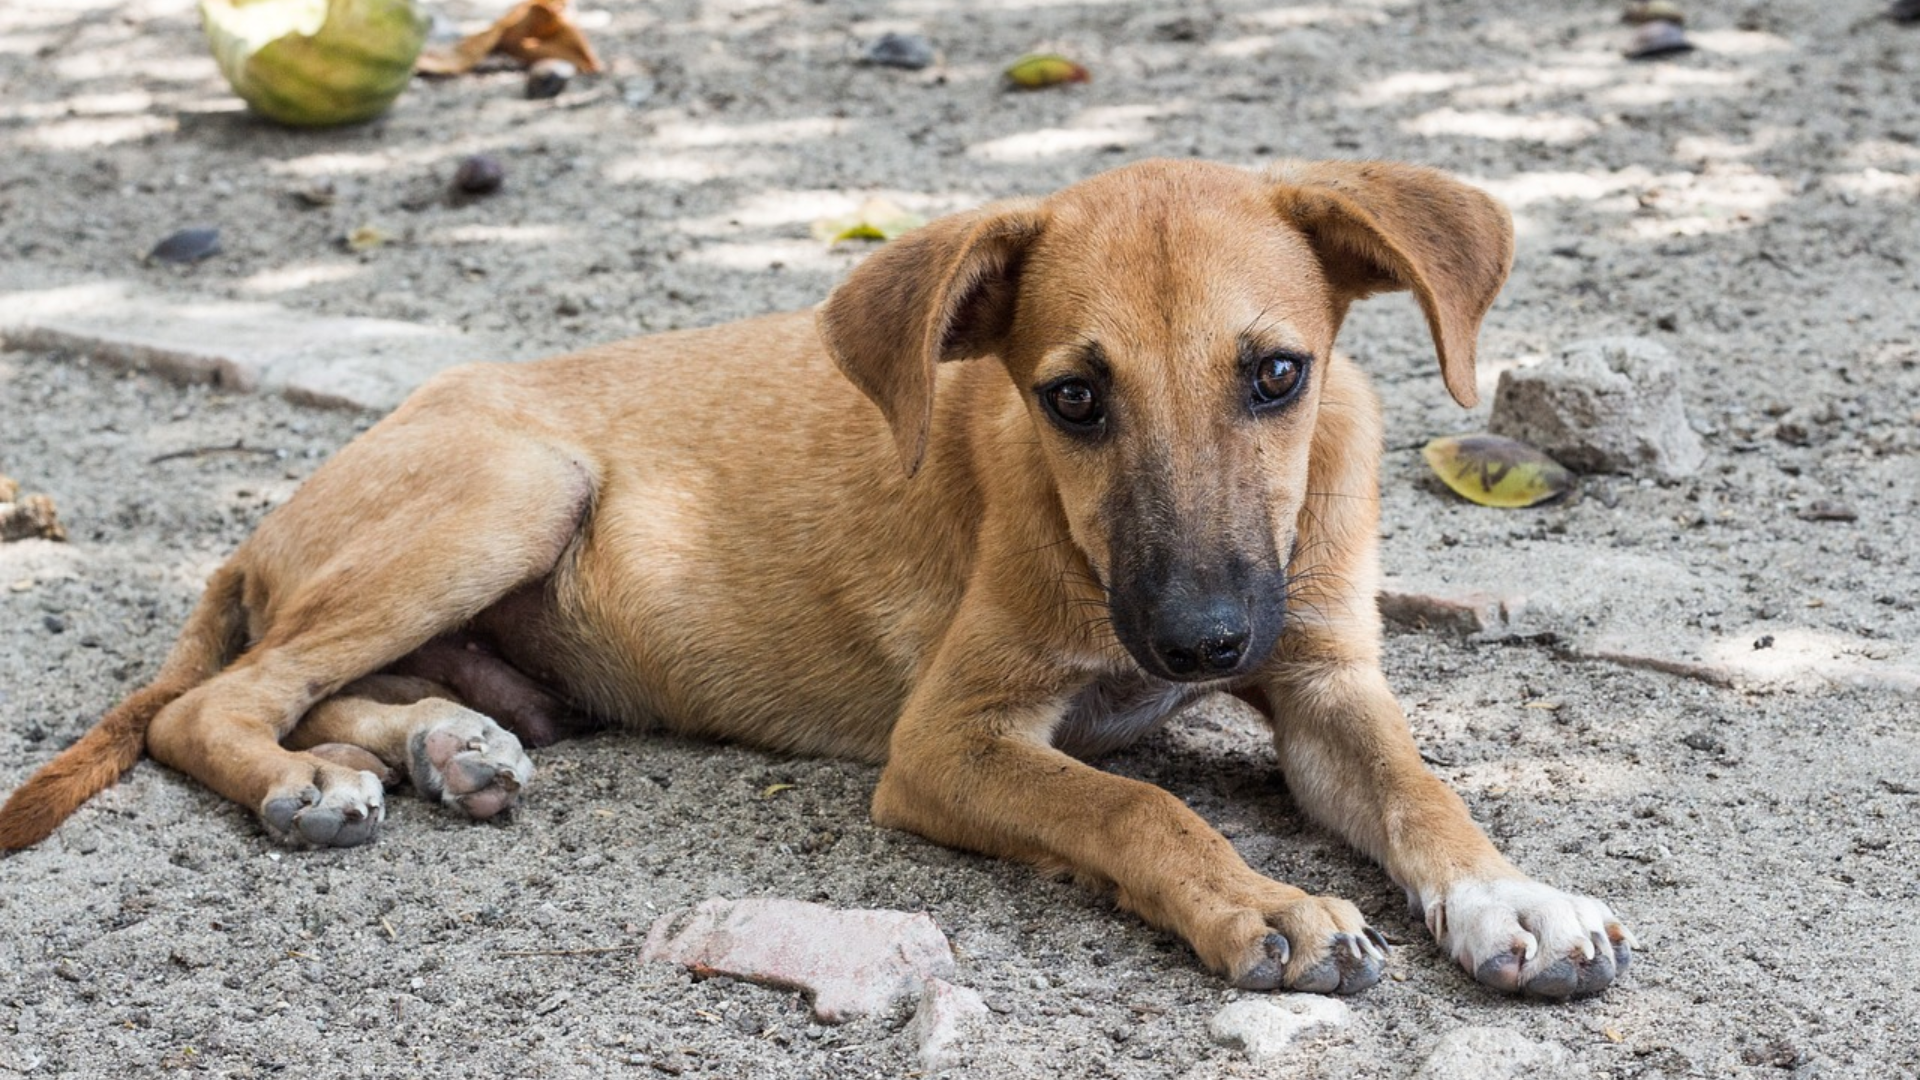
(214, 633)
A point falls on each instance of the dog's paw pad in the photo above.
(342, 808)
(1521, 936)
(1501, 972)
(1271, 968)
(469, 763)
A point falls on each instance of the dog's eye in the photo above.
(1073, 402)
(1277, 378)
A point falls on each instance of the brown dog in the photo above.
(1153, 479)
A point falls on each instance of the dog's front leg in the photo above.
(1351, 763)
(970, 767)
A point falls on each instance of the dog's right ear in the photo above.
(944, 291)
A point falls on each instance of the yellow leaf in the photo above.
(771, 790)
(1494, 471)
(1037, 70)
(367, 237)
(877, 219)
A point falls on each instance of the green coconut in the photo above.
(315, 63)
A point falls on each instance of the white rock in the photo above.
(852, 963)
(1603, 405)
(943, 1016)
(1264, 1026)
(1492, 1053)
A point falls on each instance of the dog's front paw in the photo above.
(468, 762)
(1314, 944)
(1521, 936)
(338, 807)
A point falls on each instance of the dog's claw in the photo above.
(1623, 944)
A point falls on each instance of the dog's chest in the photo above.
(1114, 712)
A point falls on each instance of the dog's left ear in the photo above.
(1379, 227)
(944, 291)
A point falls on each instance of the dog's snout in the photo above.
(1207, 646)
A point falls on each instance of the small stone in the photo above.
(910, 51)
(480, 174)
(54, 624)
(320, 192)
(1701, 740)
(1657, 38)
(1604, 405)
(852, 963)
(189, 956)
(1464, 612)
(1827, 510)
(1491, 1053)
(638, 91)
(549, 78)
(943, 1016)
(187, 246)
(1264, 1026)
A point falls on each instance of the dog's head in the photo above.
(1168, 326)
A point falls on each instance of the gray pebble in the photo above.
(549, 78)
(910, 51)
(187, 246)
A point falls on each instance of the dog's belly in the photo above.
(698, 627)
(1112, 713)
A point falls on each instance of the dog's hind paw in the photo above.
(469, 763)
(341, 807)
(1524, 937)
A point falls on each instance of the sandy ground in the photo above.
(1751, 205)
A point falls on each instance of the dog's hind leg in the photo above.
(419, 729)
(410, 532)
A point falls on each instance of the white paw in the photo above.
(468, 762)
(1521, 936)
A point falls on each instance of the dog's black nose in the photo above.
(1215, 653)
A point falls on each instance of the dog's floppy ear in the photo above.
(1379, 227)
(944, 291)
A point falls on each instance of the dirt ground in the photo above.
(1754, 206)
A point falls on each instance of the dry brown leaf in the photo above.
(32, 516)
(533, 30)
